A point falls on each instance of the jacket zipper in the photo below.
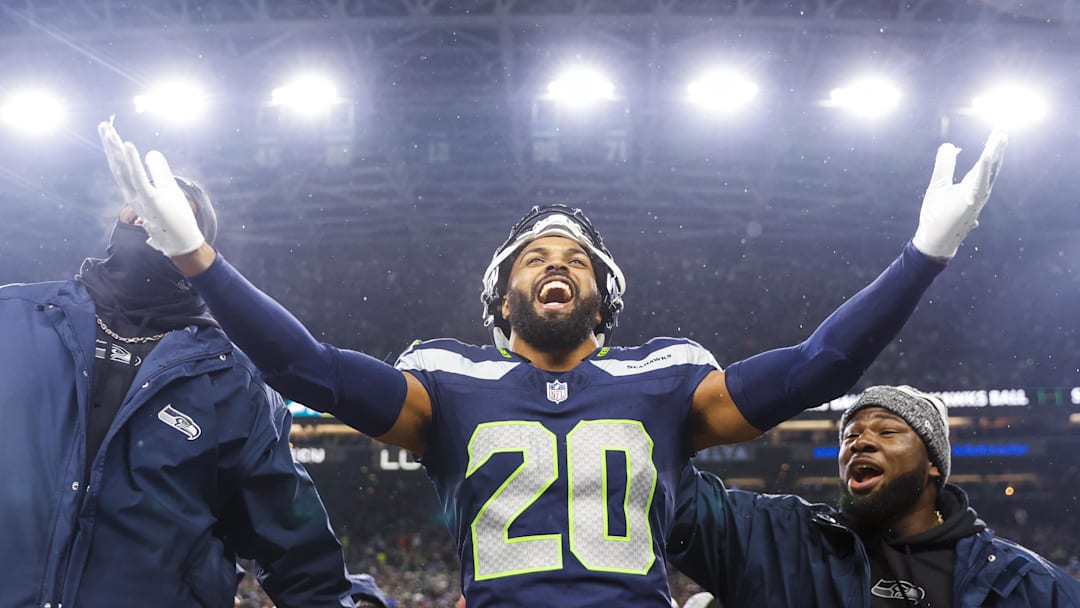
(65, 555)
(976, 565)
(860, 550)
(63, 564)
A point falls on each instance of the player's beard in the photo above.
(559, 334)
(891, 501)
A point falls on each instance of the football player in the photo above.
(555, 454)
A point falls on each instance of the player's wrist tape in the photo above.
(775, 385)
(294, 363)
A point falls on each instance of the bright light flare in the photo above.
(1011, 106)
(309, 95)
(581, 87)
(178, 101)
(722, 91)
(33, 112)
(868, 98)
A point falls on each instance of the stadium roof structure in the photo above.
(446, 133)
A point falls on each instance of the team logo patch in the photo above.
(119, 354)
(180, 421)
(898, 590)
(557, 392)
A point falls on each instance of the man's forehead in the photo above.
(872, 412)
(553, 242)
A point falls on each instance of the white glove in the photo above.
(950, 211)
(164, 208)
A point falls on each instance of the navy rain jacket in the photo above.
(195, 470)
(766, 550)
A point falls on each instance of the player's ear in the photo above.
(505, 306)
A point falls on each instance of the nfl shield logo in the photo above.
(557, 391)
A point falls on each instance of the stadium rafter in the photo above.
(444, 94)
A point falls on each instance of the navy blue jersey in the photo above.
(558, 487)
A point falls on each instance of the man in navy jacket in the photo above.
(902, 536)
(142, 453)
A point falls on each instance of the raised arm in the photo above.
(755, 394)
(363, 392)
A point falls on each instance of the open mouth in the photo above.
(863, 476)
(555, 293)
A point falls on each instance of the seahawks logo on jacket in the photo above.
(119, 354)
(180, 421)
(898, 590)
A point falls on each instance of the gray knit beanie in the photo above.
(925, 414)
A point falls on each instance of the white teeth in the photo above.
(546, 289)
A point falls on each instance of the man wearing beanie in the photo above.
(142, 452)
(902, 535)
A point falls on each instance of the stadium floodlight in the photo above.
(32, 111)
(307, 95)
(722, 91)
(869, 98)
(581, 87)
(1011, 106)
(178, 101)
